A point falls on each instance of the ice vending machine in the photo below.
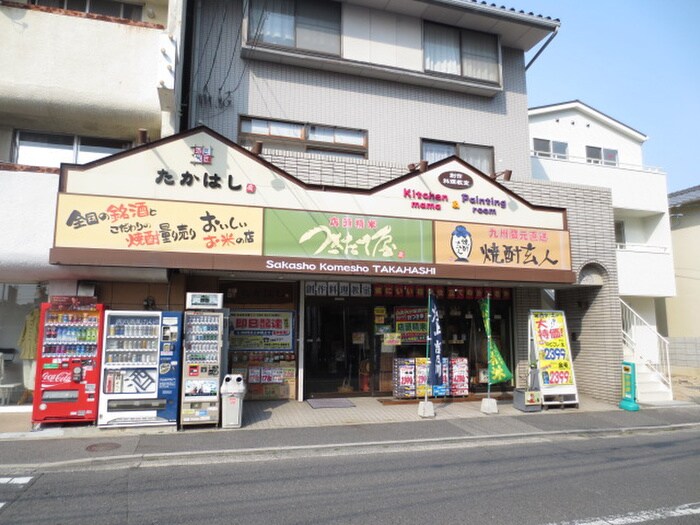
(204, 360)
(68, 360)
(140, 368)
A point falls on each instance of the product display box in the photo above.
(269, 381)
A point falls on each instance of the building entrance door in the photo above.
(338, 350)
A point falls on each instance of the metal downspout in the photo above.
(539, 51)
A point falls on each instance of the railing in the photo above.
(641, 247)
(594, 162)
(634, 329)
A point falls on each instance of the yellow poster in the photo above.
(501, 246)
(552, 348)
(118, 223)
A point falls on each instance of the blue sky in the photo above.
(637, 61)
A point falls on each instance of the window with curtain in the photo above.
(481, 157)
(435, 151)
(297, 136)
(312, 25)
(441, 49)
(454, 51)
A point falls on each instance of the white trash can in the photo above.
(232, 393)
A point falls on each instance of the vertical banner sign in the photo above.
(498, 370)
(435, 338)
(551, 344)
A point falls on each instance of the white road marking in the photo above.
(15, 481)
(663, 513)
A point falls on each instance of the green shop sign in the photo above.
(348, 237)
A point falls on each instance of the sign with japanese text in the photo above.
(348, 237)
(262, 330)
(222, 208)
(154, 225)
(501, 246)
(551, 346)
(392, 338)
(412, 324)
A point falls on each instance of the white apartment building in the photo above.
(573, 143)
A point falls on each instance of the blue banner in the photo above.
(435, 342)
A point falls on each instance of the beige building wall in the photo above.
(682, 310)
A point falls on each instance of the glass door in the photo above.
(338, 355)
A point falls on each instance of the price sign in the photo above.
(552, 352)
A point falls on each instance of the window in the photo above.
(620, 233)
(547, 148)
(311, 25)
(312, 138)
(99, 7)
(481, 157)
(610, 157)
(45, 149)
(454, 51)
(605, 156)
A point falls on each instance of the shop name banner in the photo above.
(348, 237)
(154, 225)
(501, 246)
(552, 348)
(262, 330)
(412, 324)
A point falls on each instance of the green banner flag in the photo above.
(498, 370)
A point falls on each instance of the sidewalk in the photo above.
(273, 429)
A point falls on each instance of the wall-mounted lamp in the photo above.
(506, 174)
(421, 166)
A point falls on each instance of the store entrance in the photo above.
(337, 352)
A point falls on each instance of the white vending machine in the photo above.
(140, 368)
(204, 359)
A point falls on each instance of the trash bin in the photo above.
(232, 392)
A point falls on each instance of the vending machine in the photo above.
(68, 360)
(204, 359)
(140, 368)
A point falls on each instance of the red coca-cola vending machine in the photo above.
(68, 361)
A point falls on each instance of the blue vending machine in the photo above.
(170, 366)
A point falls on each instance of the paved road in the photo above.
(643, 477)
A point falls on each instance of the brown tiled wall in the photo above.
(592, 313)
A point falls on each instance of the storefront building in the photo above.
(314, 276)
(325, 230)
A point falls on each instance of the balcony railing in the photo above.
(594, 162)
(642, 248)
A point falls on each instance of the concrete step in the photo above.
(654, 397)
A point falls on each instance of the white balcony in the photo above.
(67, 73)
(633, 187)
(645, 271)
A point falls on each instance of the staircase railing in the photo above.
(633, 326)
